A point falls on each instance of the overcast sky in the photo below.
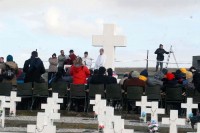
(52, 25)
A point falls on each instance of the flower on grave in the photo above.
(101, 126)
(153, 126)
(153, 122)
(143, 114)
(190, 115)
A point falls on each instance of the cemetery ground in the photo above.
(83, 122)
(78, 122)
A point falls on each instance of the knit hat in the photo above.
(189, 75)
(143, 78)
(135, 74)
(183, 70)
(144, 73)
(170, 76)
(9, 58)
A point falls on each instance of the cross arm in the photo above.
(119, 41)
(98, 40)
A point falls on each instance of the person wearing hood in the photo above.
(79, 72)
(169, 81)
(10, 64)
(144, 75)
(33, 69)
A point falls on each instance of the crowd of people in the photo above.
(76, 70)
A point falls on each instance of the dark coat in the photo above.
(160, 54)
(99, 79)
(111, 80)
(196, 81)
(33, 69)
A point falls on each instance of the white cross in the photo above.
(173, 121)
(114, 124)
(13, 99)
(100, 108)
(3, 105)
(109, 41)
(118, 124)
(143, 103)
(41, 126)
(56, 100)
(189, 106)
(51, 110)
(154, 111)
(96, 103)
(108, 121)
(198, 129)
(45, 119)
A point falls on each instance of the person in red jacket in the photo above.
(79, 72)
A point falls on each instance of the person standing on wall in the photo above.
(160, 57)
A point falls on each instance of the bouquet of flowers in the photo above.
(153, 126)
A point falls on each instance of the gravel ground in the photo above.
(23, 130)
(85, 121)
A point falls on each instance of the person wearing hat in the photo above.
(53, 62)
(87, 61)
(160, 57)
(144, 75)
(10, 65)
(169, 81)
(134, 81)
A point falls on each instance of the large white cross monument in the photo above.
(109, 41)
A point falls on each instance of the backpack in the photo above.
(9, 73)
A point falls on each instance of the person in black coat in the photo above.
(160, 57)
(111, 79)
(100, 78)
(33, 69)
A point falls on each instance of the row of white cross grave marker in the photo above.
(107, 121)
(110, 123)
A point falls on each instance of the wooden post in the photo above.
(147, 65)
